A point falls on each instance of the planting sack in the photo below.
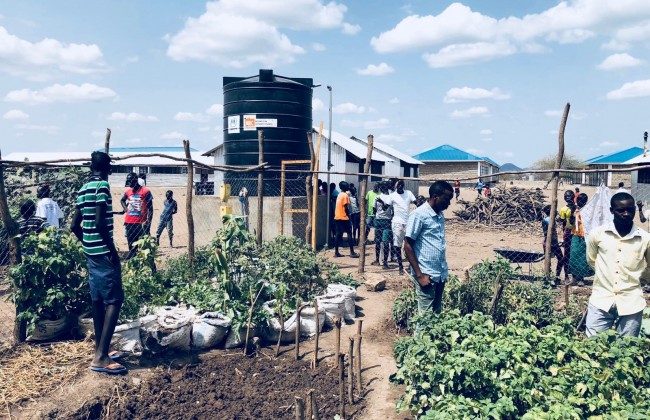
(171, 329)
(236, 338)
(48, 330)
(127, 337)
(307, 322)
(85, 325)
(209, 330)
(350, 295)
(332, 306)
(271, 332)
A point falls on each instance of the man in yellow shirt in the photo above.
(620, 254)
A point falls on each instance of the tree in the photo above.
(570, 161)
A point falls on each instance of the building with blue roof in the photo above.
(620, 159)
(450, 163)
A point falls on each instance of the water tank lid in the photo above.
(267, 76)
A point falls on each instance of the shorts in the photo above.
(399, 232)
(343, 226)
(105, 280)
(382, 231)
(370, 221)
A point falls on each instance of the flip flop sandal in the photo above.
(112, 369)
(116, 355)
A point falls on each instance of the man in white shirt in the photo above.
(47, 208)
(620, 254)
(401, 200)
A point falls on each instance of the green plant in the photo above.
(51, 280)
(468, 367)
(405, 308)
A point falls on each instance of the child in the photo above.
(47, 208)
(355, 217)
(457, 189)
(167, 218)
(578, 266)
(567, 227)
(555, 246)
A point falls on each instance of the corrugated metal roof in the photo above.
(447, 152)
(620, 157)
(396, 153)
(151, 149)
(137, 161)
(357, 149)
(590, 160)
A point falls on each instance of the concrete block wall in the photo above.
(449, 171)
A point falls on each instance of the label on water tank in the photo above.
(266, 122)
(233, 124)
(251, 122)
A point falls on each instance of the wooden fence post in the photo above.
(260, 187)
(188, 203)
(364, 208)
(107, 142)
(314, 206)
(20, 327)
(555, 178)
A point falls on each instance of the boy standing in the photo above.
(92, 224)
(138, 208)
(47, 208)
(167, 218)
(30, 223)
(342, 214)
(401, 200)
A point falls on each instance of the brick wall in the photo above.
(449, 171)
(625, 177)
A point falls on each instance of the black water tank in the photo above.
(281, 107)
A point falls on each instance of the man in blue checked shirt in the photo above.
(426, 247)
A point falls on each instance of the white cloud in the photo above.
(619, 61)
(43, 59)
(317, 46)
(348, 108)
(215, 109)
(463, 36)
(174, 135)
(616, 45)
(189, 116)
(49, 129)
(465, 94)
(394, 101)
(97, 133)
(235, 33)
(350, 29)
(131, 117)
(609, 144)
(636, 89)
(486, 132)
(67, 93)
(376, 70)
(390, 138)
(376, 124)
(487, 139)
(317, 105)
(463, 54)
(15, 114)
(506, 154)
(132, 59)
(470, 112)
(553, 113)
(203, 129)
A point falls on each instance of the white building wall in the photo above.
(218, 175)
(338, 162)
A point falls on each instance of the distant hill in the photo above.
(508, 167)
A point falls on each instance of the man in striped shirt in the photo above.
(93, 225)
(30, 223)
(426, 247)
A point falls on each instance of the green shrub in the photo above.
(405, 308)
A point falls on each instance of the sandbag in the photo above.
(236, 338)
(85, 325)
(127, 337)
(596, 212)
(209, 330)
(271, 332)
(350, 295)
(307, 322)
(47, 330)
(171, 329)
(333, 306)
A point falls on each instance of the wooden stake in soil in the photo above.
(337, 336)
(107, 142)
(341, 386)
(358, 356)
(250, 315)
(315, 361)
(362, 207)
(277, 347)
(311, 401)
(297, 348)
(188, 205)
(260, 187)
(351, 372)
(300, 408)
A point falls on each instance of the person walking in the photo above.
(425, 247)
(370, 206)
(137, 203)
(92, 224)
(342, 214)
(170, 207)
(47, 208)
(355, 217)
(383, 216)
(620, 253)
(401, 200)
(457, 189)
(479, 187)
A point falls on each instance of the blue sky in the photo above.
(488, 77)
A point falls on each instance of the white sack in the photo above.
(209, 330)
(171, 329)
(127, 338)
(332, 306)
(596, 212)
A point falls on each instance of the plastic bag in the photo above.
(332, 306)
(209, 330)
(596, 212)
(171, 329)
(307, 322)
(350, 295)
(127, 337)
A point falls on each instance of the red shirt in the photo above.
(137, 205)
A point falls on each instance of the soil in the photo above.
(209, 385)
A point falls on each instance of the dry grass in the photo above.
(30, 371)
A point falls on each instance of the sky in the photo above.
(489, 77)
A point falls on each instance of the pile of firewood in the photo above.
(510, 208)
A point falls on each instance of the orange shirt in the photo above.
(339, 211)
